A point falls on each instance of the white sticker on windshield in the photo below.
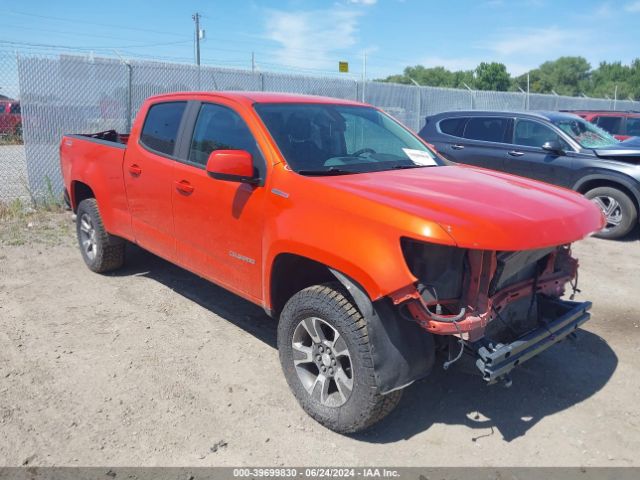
(419, 157)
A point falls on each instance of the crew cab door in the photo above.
(526, 157)
(219, 223)
(148, 176)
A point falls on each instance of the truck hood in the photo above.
(478, 208)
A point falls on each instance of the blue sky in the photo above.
(312, 36)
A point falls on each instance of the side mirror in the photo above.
(553, 147)
(232, 166)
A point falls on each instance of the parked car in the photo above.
(622, 125)
(558, 148)
(371, 251)
(10, 118)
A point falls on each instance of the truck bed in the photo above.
(95, 161)
(109, 136)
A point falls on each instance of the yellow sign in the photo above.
(343, 67)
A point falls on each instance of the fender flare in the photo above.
(402, 351)
(622, 179)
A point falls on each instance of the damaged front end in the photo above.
(502, 307)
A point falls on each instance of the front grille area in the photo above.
(516, 267)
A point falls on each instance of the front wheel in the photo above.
(326, 359)
(619, 210)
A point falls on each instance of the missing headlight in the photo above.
(438, 267)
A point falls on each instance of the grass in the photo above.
(21, 224)
(11, 139)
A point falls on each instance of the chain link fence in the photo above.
(80, 94)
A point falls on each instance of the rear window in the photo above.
(160, 129)
(633, 127)
(452, 126)
(488, 129)
(610, 124)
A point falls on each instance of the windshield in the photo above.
(585, 133)
(328, 139)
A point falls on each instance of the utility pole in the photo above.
(615, 97)
(253, 62)
(196, 18)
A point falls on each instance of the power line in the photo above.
(304, 52)
(76, 21)
(68, 47)
(68, 33)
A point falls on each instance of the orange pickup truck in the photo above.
(373, 253)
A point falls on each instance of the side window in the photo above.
(15, 108)
(489, 129)
(534, 134)
(633, 127)
(160, 129)
(219, 128)
(610, 124)
(452, 126)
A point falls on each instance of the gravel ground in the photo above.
(13, 172)
(155, 366)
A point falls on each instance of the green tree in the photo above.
(492, 76)
(566, 76)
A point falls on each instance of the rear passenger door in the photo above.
(525, 157)
(148, 177)
(485, 142)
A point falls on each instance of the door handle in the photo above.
(135, 170)
(516, 153)
(457, 146)
(184, 187)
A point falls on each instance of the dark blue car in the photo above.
(554, 147)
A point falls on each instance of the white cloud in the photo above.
(604, 10)
(312, 38)
(533, 41)
(633, 7)
(362, 2)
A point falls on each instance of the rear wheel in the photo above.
(101, 252)
(619, 210)
(326, 358)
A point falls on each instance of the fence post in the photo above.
(129, 95)
(261, 82)
(472, 93)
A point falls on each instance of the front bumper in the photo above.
(496, 361)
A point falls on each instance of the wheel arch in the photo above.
(291, 273)
(594, 181)
(79, 191)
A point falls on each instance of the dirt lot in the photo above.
(154, 366)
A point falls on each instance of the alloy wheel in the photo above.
(611, 209)
(322, 361)
(88, 236)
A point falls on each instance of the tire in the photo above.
(101, 252)
(618, 208)
(351, 401)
